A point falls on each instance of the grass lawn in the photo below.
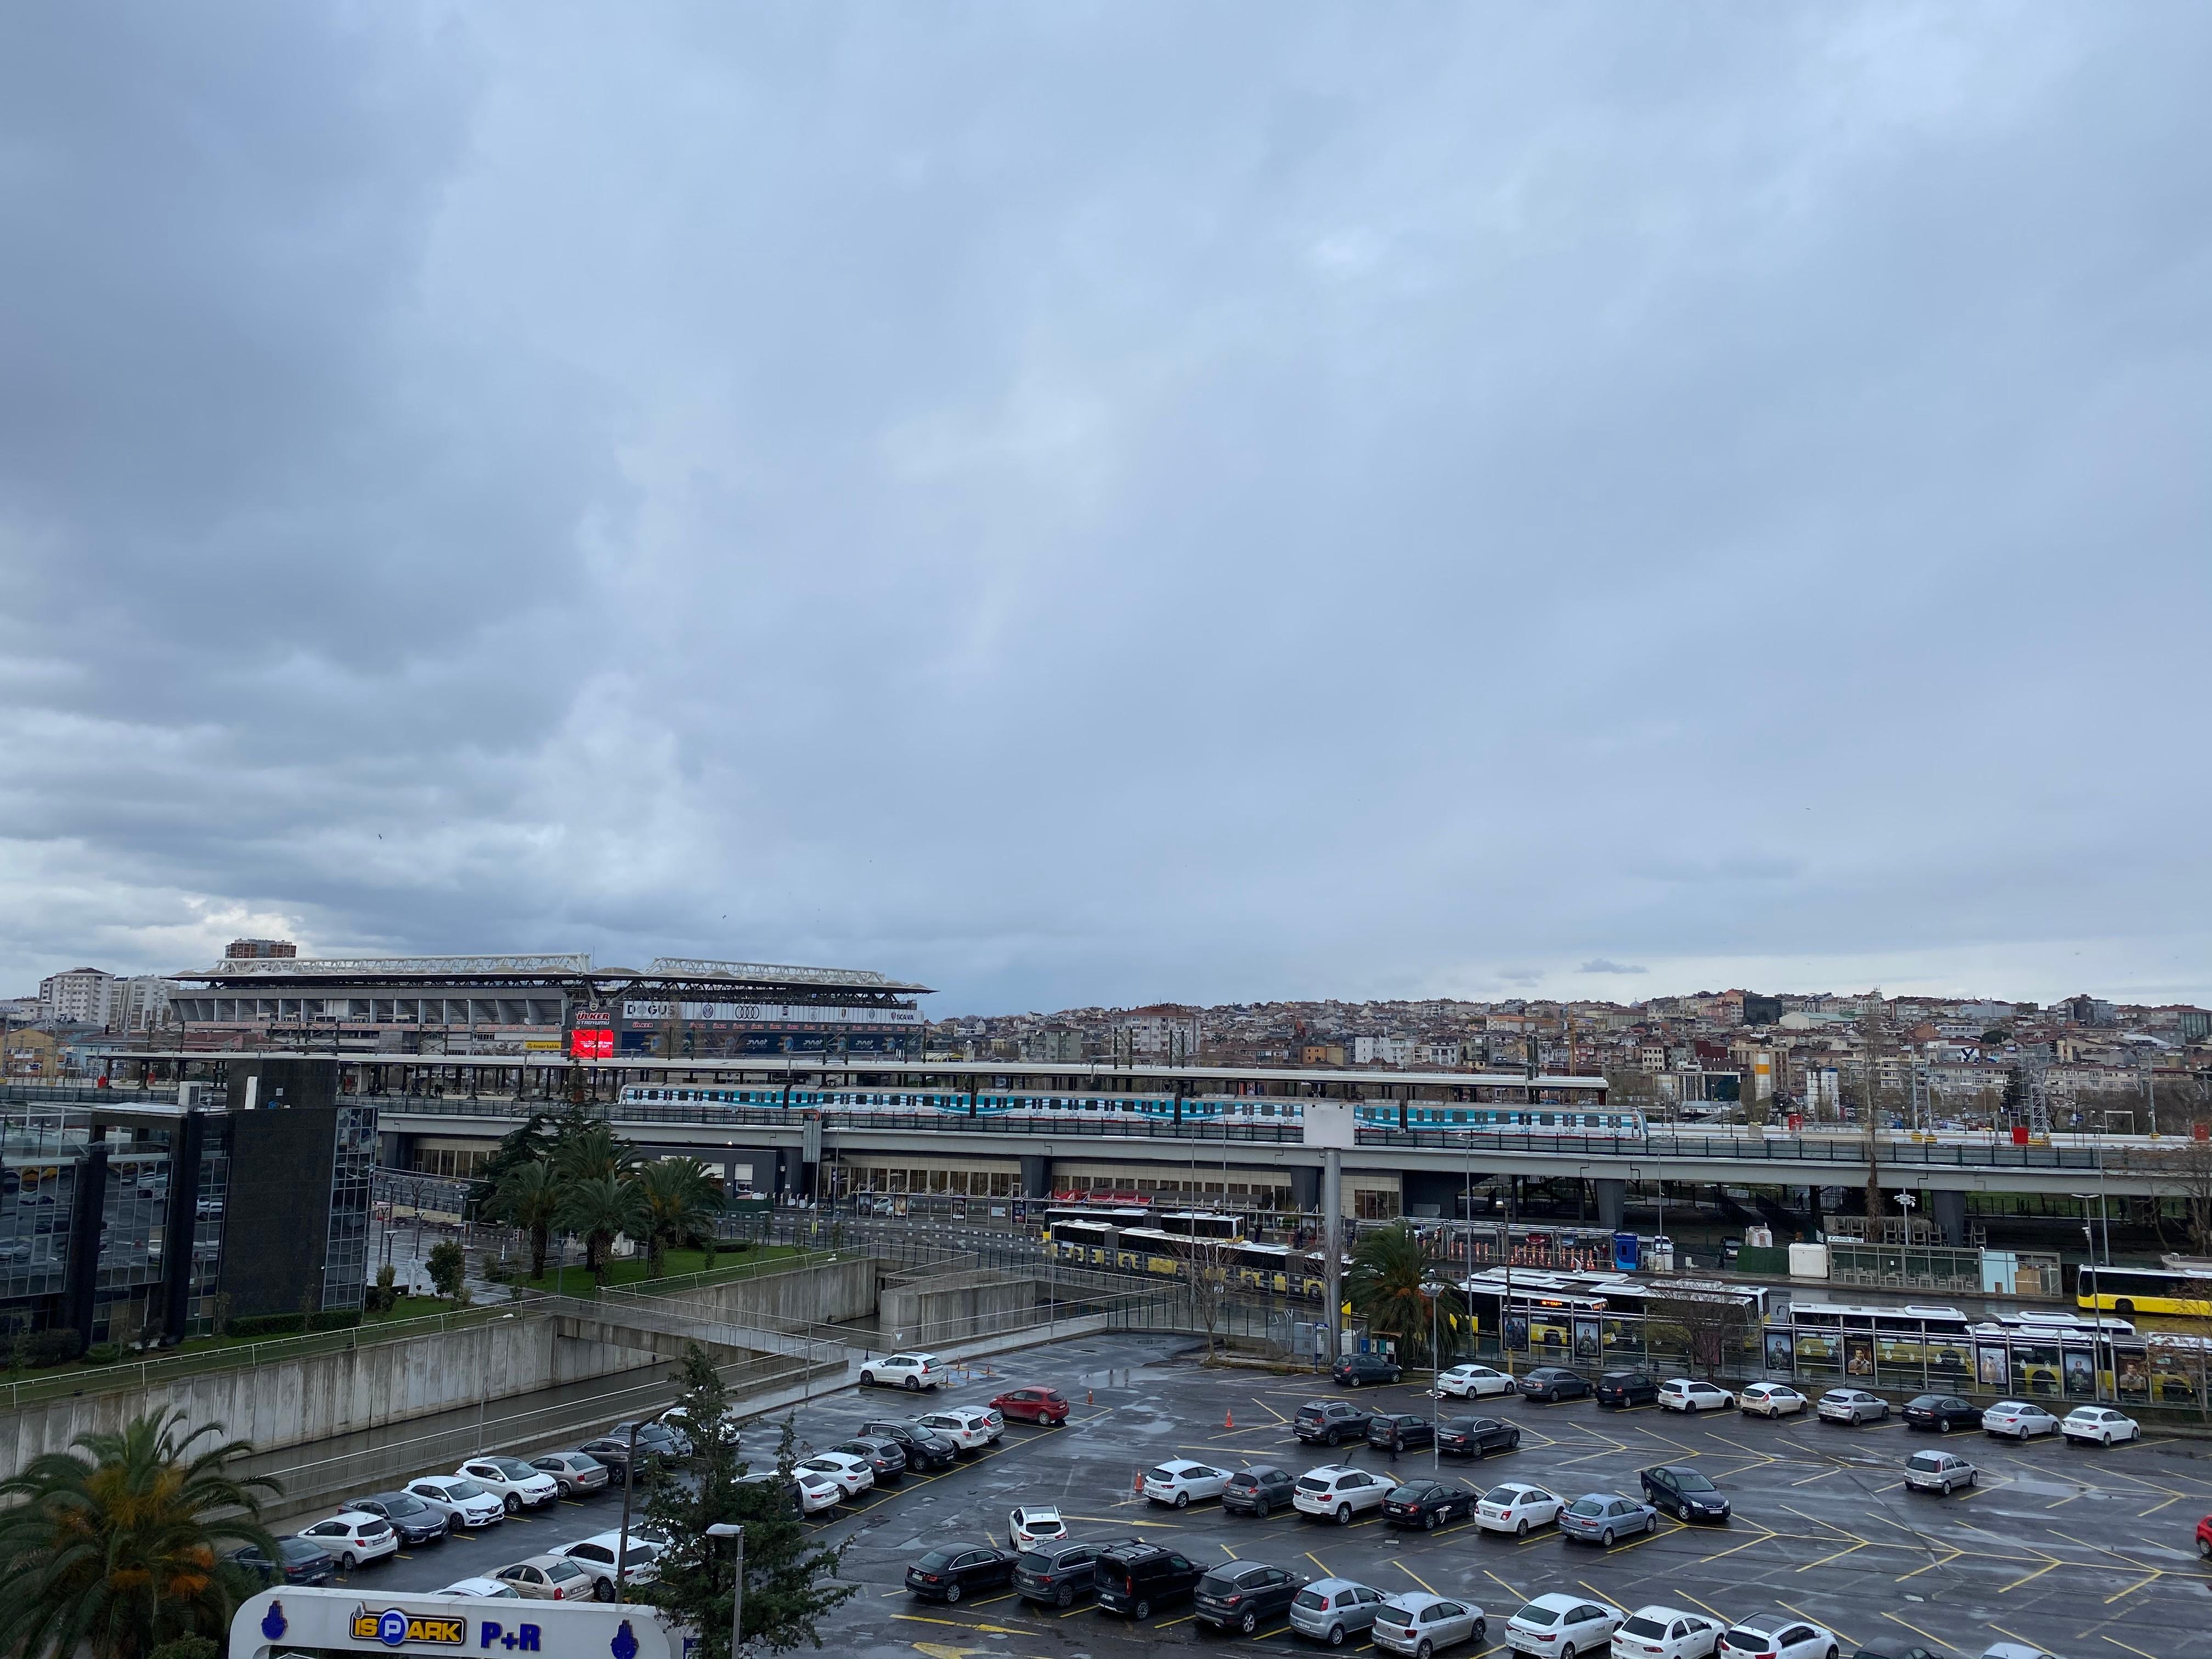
(728, 1264)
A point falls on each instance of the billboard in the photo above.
(768, 1014)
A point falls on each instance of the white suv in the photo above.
(464, 1499)
(1774, 1637)
(967, 1427)
(902, 1370)
(353, 1536)
(1680, 1393)
(514, 1482)
(1560, 1624)
(1472, 1382)
(1338, 1489)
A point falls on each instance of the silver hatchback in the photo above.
(1419, 1626)
(1330, 1609)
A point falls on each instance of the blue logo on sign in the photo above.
(391, 1627)
(272, 1622)
(624, 1646)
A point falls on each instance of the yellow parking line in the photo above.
(1502, 1584)
(1165, 1624)
(2153, 1577)
(1416, 1577)
(1915, 1629)
(2116, 1643)
(1838, 1556)
(1322, 1565)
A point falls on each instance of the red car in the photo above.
(1032, 1405)
(2204, 1538)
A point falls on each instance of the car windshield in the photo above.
(1587, 1506)
(1691, 1480)
(1035, 1561)
(934, 1560)
(1311, 1601)
(1535, 1614)
(1164, 1473)
(299, 1549)
(464, 1490)
(1927, 1460)
(1215, 1583)
(1244, 1478)
(1509, 1496)
(514, 1468)
(400, 1503)
(1395, 1614)
(1754, 1641)
(1640, 1625)
(1308, 1483)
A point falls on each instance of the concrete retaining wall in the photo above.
(827, 1294)
(321, 1396)
(952, 1307)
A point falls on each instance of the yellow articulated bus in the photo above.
(2131, 1290)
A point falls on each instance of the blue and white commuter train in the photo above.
(1605, 1121)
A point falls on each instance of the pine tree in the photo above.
(789, 1588)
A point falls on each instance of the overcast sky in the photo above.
(1102, 503)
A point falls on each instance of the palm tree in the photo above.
(1391, 1269)
(680, 1197)
(530, 1198)
(587, 1150)
(598, 1207)
(111, 1549)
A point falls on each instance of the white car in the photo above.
(1682, 1393)
(1771, 1637)
(1854, 1406)
(2023, 1419)
(1472, 1382)
(817, 1493)
(351, 1537)
(915, 1371)
(1938, 1472)
(1517, 1509)
(852, 1475)
(967, 1427)
(514, 1482)
(1179, 1480)
(487, 1587)
(1660, 1632)
(1028, 1527)
(2098, 1426)
(464, 1499)
(1556, 1624)
(1339, 1491)
(679, 1420)
(598, 1554)
(1770, 1399)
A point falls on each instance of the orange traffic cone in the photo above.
(1089, 1397)
(1228, 1420)
(1137, 1483)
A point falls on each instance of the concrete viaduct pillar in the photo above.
(1036, 1176)
(1612, 1202)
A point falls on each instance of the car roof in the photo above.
(1560, 1599)
(1413, 1600)
(1330, 1586)
(1332, 1470)
(546, 1560)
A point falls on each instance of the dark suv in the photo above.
(1243, 1593)
(1411, 1430)
(1626, 1389)
(1331, 1422)
(1941, 1412)
(1058, 1572)
(1357, 1369)
(924, 1451)
(1257, 1491)
(1134, 1578)
(414, 1521)
(885, 1456)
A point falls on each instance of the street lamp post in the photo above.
(629, 1486)
(737, 1535)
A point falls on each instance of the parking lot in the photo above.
(2086, 1552)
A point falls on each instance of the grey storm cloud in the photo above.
(1092, 503)
(1600, 965)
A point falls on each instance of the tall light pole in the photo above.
(725, 1529)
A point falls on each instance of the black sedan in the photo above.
(947, 1574)
(1244, 1594)
(1554, 1383)
(1627, 1389)
(886, 1459)
(414, 1521)
(1428, 1505)
(304, 1562)
(1684, 1494)
(1939, 1414)
(615, 1454)
(1477, 1437)
(925, 1448)
(1409, 1431)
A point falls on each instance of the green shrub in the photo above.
(51, 1347)
(103, 1353)
(334, 1319)
(283, 1324)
